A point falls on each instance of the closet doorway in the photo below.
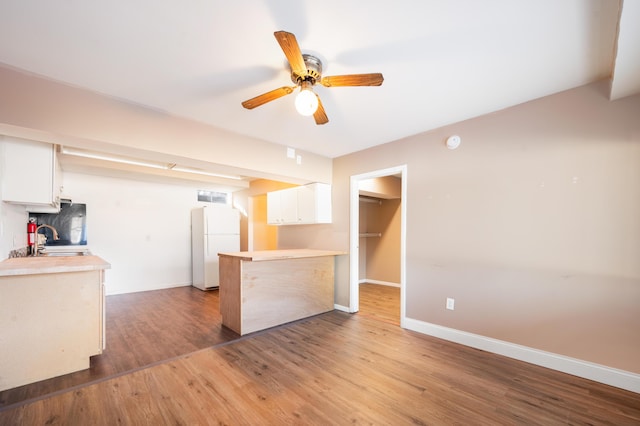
(377, 248)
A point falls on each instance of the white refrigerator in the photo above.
(214, 229)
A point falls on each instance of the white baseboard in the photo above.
(341, 308)
(390, 284)
(138, 290)
(599, 373)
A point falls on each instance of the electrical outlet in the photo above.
(450, 303)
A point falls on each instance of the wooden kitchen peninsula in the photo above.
(262, 289)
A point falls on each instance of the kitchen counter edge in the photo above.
(51, 265)
(264, 255)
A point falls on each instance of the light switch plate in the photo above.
(450, 303)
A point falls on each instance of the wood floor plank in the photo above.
(336, 368)
(381, 302)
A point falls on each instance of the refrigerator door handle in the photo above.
(206, 224)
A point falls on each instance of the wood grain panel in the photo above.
(281, 291)
(381, 302)
(269, 255)
(231, 292)
(51, 265)
(50, 325)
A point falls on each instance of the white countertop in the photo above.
(51, 265)
(255, 256)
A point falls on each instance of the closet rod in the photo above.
(370, 234)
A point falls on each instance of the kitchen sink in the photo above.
(64, 254)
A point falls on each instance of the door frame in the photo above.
(354, 235)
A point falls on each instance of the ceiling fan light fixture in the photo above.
(306, 101)
(306, 71)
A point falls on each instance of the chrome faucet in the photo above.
(36, 244)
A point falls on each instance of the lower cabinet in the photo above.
(51, 324)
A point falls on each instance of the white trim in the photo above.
(354, 245)
(588, 370)
(341, 308)
(387, 283)
(354, 235)
(107, 285)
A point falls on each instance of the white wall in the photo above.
(13, 220)
(143, 229)
(13, 228)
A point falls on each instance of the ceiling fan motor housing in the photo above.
(314, 70)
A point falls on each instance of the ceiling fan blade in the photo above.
(320, 116)
(373, 79)
(268, 97)
(291, 50)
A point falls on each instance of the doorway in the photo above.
(354, 234)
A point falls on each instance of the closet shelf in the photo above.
(370, 234)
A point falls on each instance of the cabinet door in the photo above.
(314, 203)
(28, 172)
(289, 205)
(274, 208)
(306, 204)
(300, 205)
(322, 194)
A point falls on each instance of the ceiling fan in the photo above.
(306, 71)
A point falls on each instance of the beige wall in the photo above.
(532, 225)
(383, 253)
(363, 226)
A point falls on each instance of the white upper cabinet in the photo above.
(30, 174)
(301, 205)
(282, 207)
(274, 207)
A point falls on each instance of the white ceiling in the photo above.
(443, 61)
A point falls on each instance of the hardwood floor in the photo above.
(381, 302)
(142, 328)
(336, 368)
